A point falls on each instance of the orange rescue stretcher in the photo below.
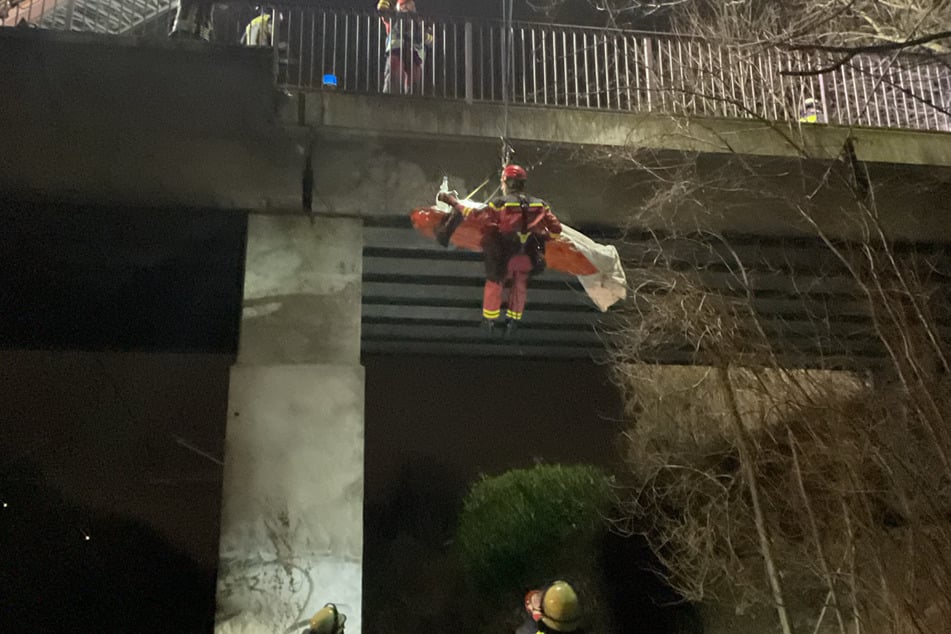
(597, 266)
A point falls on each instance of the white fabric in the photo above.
(609, 285)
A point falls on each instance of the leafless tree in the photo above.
(779, 469)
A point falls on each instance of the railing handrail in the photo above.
(575, 66)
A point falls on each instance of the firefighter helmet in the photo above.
(327, 621)
(514, 172)
(560, 609)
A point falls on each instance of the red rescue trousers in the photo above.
(517, 270)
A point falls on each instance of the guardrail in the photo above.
(568, 66)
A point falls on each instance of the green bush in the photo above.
(528, 525)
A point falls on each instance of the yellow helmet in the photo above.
(560, 609)
(327, 621)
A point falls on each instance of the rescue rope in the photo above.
(508, 78)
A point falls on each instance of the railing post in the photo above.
(468, 61)
(70, 8)
(276, 45)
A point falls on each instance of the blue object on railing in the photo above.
(330, 80)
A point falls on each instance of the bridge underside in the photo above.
(421, 299)
(223, 139)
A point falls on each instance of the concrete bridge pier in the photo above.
(292, 500)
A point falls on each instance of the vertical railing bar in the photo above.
(412, 52)
(300, 47)
(741, 73)
(534, 68)
(683, 78)
(554, 66)
(380, 56)
(313, 44)
(524, 67)
(597, 70)
(725, 88)
(574, 56)
(468, 61)
(544, 68)
(922, 119)
(648, 63)
(759, 105)
(893, 87)
(333, 63)
(445, 59)
(455, 62)
(855, 94)
(563, 67)
(823, 110)
(870, 76)
(627, 70)
(771, 81)
(935, 96)
(492, 63)
(671, 79)
(661, 84)
(946, 100)
(907, 95)
(867, 103)
(617, 73)
(934, 111)
(584, 51)
(607, 72)
(827, 103)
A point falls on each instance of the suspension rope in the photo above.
(508, 78)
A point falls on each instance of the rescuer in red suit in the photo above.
(516, 227)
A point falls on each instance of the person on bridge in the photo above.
(516, 227)
(809, 113)
(327, 620)
(193, 20)
(260, 30)
(406, 44)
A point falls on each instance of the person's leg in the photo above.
(416, 74)
(519, 268)
(493, 251)
(205, 20)
(392, 73)
(186, 16)
(492, 300)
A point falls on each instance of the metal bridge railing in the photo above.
(562, 66)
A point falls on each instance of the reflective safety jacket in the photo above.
(407, 33)
(518, 214)
(258, 32)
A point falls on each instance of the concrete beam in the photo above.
(434, 118)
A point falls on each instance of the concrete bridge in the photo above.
(165, 185)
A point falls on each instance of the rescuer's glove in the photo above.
(428, 39)
(383, 5)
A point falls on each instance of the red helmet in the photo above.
(514, 172)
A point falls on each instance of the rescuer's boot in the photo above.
(491, 328)
(511, 329)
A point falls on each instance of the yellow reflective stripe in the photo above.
(511, 314)
(523, 237)
(491, 314)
